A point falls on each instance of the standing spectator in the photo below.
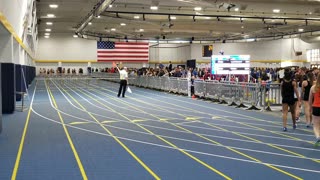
(306, 86)
(288, 88)
(177, 72)
(298, 79)
(314, 101)
(281, 74)
(123, 81)
(170, 66)
(195, 72)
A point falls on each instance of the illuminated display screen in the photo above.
(230, 64)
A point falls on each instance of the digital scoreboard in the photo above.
(230, 64)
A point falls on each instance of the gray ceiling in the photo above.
(255, 18)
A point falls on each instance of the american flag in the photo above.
(122, 51)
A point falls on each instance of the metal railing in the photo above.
(232, 93)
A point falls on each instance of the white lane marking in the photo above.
(191, 151)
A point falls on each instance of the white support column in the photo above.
(5, 46)
(16, 52)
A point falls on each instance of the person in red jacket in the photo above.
(314, 102)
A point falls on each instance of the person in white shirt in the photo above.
(123, 81)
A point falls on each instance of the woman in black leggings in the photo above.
(288, 88)
(306, 86)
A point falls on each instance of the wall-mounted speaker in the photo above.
(298, 53)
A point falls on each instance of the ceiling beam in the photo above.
(216, 16)
(97, 10)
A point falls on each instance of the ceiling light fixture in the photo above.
(198, 8)
(48, 30)
(236, 9)
(51, 15)
(47, 34)
(47, 37)
(154, 8)
(75, 36)
(300, 30)
(154, 5)
(113, 29)
(54, 6)
(141, 30)
(99, 17)
(49, 23)
(110, 5)
(90, 23)
(136, 17)
(173, 17)
(122, 24)
(276, 10)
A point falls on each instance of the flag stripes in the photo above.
(122, 51)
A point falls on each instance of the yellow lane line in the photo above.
(105, 122)
(114, 137)
(164, 140)
(236, 151)
(193, 118)
(261, 129)
(267, 164)
(138, 120)
(25, 129)
(83, 173)
(76, 123)
(210, 140)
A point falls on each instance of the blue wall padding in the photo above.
(8, 82)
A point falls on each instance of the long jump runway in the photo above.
(78, 131)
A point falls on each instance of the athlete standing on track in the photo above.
(306, 86)
(288, 88)
(123, 81)
(314, 101)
